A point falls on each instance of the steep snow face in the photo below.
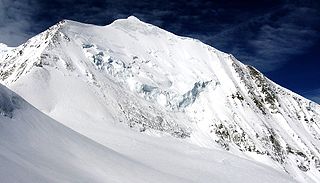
(35, 148)
(131, 73)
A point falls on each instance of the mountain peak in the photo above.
(130, 22)
(2, 45)
(133, 18)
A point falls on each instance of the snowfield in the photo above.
(130, 102)
(36, 148)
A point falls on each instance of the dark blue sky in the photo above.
(280, 38)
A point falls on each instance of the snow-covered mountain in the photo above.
(165, 101)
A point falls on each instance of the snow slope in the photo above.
(109, 83)
(35, 148)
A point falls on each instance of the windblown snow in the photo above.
(130, 102)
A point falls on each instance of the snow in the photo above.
(3, 50)
(35, 148)
(176, 109)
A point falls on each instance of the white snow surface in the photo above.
(36, 148)
(130, 102)
(3, 50)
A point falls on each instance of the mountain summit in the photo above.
(131, 82)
